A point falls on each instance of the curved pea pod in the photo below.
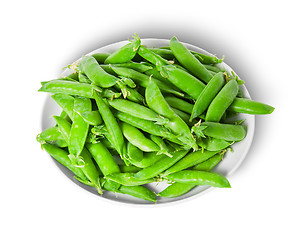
(64, 127)
(66, 102)
(100, 57)
(151, 57)
(208, 94)
(227, 132)
(143, 80)
(139, 67)
(139, 192)
(128, 179)
(156, 101)
(209, 164)
(79, 129)
(104, 159)
(111, 124)
(200, 178)
(91, 117)
(243, 105)
(162, 145)
(89, 66)
(137, 110)
(134, 152)
(68, 87)
(190, 160)
(83, 78)
(147, 160)
(129, 169)
(62, 157)
(183, 80)
(52, 135)
(177, 189)
(145, 125)
(136, 137)
(125, 53)
(160, 166)
(180, 104)
(222, 101)
(189, 61)
(213, 144)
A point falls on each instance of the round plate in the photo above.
(227, 166)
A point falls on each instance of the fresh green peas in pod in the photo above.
(190, 160)
(213, 144)
(151, 57)
(79, 129)
(227, 132)
(208, 94)
(243, 105)
(200, 178)
(179, 104)
(128, 179)
(52, 135)
(160, 166)
(143, 80)
(137, 138)
(183, 80)
(125, 53)
(177, 189)
(189, 61)
(137, 110)
(156, 101)
(162, 145)
(222, 101)
(111, 124)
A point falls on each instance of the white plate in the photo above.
(231, 160)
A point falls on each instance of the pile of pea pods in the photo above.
(141, 115)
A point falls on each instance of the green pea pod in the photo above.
(180, 104)
(189, 61)
(136, 137)
(164, 53)
(156, 101)
(79, 129)
(162, 145)
(68, 87)
(129, 169)
(208, 94)
(151, 57)
(177, 189)
(139, 192)
(125, 53)
(89, 66)
(135, 191)
(184, 116)
(100, 57)
(83, 78)
(145, 125)
(130, 93)
(209, 164)
(213, 144)
(147, 160)
(91, 117)
(143, 80)
(66, 102)
(227, 132)
(139, 67)
(183, 80)
(64, 127)
(134, 152)
(62, 157)
(243, 105)
(104, 159)
(212, 68)
(222, 101)
(190, 160)
(52, 135)
(137, 110)
(128, 179)
(111, 124)
(200, 178)
(160, 166)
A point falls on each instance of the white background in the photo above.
(39, 38)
